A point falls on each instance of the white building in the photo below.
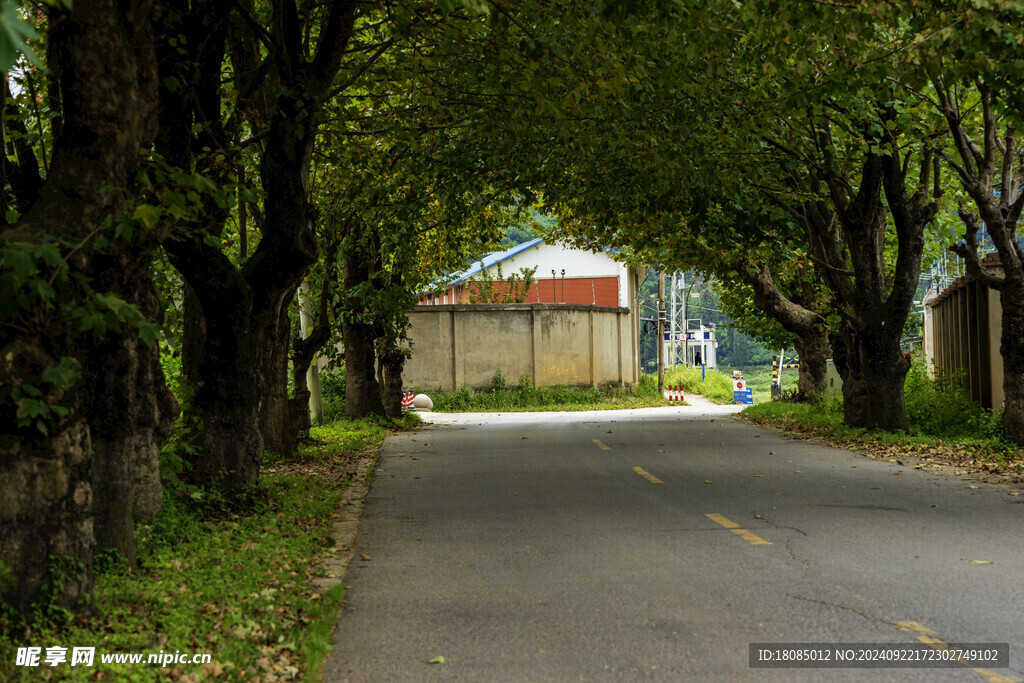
(694, 347)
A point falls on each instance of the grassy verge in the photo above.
(526, 397)
(233, 581)
(759, 379)
(948, 432)
(714, 386)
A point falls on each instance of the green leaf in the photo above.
(149, 332)
(147, 214)
(124, 229)
(14, 31)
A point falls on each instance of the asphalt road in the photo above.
(658, 545)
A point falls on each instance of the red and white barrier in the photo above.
(407, 400)
(674, 393)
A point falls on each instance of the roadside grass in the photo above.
(947, 429)
(500, 397)
(715, 386)
(759, 379)
(232, 580)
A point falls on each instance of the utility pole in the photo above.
(661, 332)
(674, 334)
(686, 323)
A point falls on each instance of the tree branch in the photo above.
(968, 251)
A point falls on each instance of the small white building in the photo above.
(696, 346)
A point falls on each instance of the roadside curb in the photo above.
(345, 523)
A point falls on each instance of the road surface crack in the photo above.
(834, 605)
(789, 541)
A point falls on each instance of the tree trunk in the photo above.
(875, 371)
(312, 335)
(226, 443)
(359, 379)
(813, 372)
(392, 361)
(362, 391)
(129, 418)
(193, 336)
(102, 57)
(305, 345)
(299, 405)
(46, 493)
(1012, 350)
(873, 294)
(810, 335)
(244, 381)
(275, 405)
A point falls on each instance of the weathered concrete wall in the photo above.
(571, 344)
(962, 329)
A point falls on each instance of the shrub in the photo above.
(647, 386)
(332, 384)
(943, 407)
(332, 389)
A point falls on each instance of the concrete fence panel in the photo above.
(553, 344)
(962, 327)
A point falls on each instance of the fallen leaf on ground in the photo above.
(437, 660)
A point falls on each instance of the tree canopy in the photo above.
(174, 172)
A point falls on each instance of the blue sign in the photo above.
(743, 396)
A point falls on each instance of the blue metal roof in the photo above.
(492, 259)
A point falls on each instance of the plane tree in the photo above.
(399, 219)
(847, 156)
(83, 407)
(435, 185)
(802, 120)
(967, 69)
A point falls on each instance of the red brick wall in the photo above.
(596, 291)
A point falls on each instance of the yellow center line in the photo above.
(723, 521)
(751, 538)
(931, 639)
(647, 475)
(600, 444)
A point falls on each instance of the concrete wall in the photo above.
(570, 344)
